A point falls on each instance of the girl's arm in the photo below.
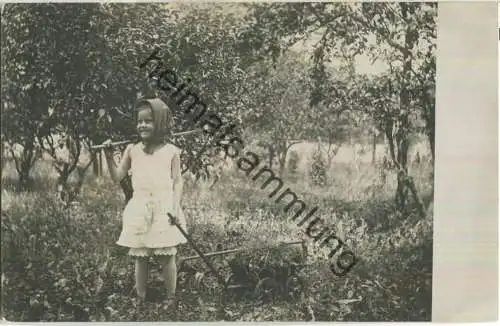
(118, 172)
(177, 181)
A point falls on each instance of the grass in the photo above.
(63, 265)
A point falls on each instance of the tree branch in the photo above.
(16, 161)
(386, 37)
(293, 143)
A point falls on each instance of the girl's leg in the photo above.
(170, 273)
(141, 276)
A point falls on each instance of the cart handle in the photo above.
(198, 251)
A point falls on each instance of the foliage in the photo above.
(77, 80)
(38, 234)
(293, 162)
(61, 280)
(277, 90)
(59, 82)
(400, 35)
(237, 59)
(318, 168)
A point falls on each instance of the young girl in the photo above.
(157, 184)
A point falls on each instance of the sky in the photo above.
(362, 62)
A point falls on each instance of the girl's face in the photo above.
(145, 124)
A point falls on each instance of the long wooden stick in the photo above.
(215, 253)
(118, 143)
(230, 251)
(189, 132)
(123, 142)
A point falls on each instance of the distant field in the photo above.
(347, 154)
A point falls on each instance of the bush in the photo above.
(48, 275)
(318, 168)
(293, 162)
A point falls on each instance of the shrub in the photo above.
(48, 275)
(293, 162)
(318, 168)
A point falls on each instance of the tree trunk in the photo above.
(94, 156)
(282, 165)
(430, 124)
(3, 157)
(429, 111)
(282, 154)
(271, 156)
(374, 148)
(402, 155)
(25, 163)
(401, 137)
(75, 191)
(24, 178)
(62, 184)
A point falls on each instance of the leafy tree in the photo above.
(401, 35)
(279, 111)
(332, 126)
(93, 78)
(67, 79)
(26, 83)
(200, 48)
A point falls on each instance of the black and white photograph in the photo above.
(249, 161)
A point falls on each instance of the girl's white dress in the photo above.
(146, 225)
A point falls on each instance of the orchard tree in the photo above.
(340, 119)
(27, 81)
(400, 34)
(67, 79)
(201, 49)
(329, 126)
(278, 112)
